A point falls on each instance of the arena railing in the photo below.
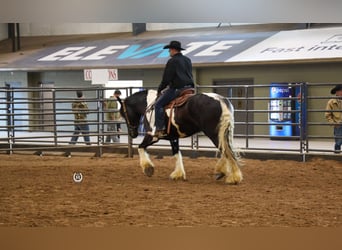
(39, 120)
(310, 120)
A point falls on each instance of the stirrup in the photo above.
(157, 133)
(160, 133)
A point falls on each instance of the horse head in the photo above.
(132, 108)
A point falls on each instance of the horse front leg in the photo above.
(179, 172)
(145, 161)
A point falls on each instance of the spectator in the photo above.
(334, 115)
(80, 110)
(112, 116)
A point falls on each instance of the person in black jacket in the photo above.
(176, 77)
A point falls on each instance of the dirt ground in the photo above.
(39, 191)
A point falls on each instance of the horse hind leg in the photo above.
(228, 165)
(233, 158)
(235, 175)
(232, 162)
(221, 169)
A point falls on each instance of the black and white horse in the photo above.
(208, 112)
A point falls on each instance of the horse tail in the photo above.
(226, 131)
(225, 137)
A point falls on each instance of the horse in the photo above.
(210, 113)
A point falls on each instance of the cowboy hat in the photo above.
(174, 45)
(337, 88)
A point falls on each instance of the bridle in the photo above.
(129, 125)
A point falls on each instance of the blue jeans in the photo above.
(81, 128)
(164, 99)
(113, 127)
(338, 136)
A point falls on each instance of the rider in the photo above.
(176, 77)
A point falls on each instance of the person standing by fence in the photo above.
(334, 115)
(80, 110)
(112, 117)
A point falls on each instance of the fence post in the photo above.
(9, 120)
(247, 115)
(304, 122)
(54, 115)
(99, 97)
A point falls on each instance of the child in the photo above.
(334, 115)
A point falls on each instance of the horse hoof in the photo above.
(219, 176)
(233, 180)
(149, 171)
(177, 178)
(232, 183)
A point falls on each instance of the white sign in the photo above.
(100, 75)
(295, 45)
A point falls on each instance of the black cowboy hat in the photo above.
(174, 45)
(337, 88)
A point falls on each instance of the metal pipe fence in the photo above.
(41, 119)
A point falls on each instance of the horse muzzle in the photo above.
(133, 132)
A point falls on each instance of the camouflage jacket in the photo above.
(111, 108)
(80, 109)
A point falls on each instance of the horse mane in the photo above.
(136, 98)
(137, 102)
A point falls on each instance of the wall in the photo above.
(61, 79)
(48, 29)
(71, 80)
(45, 29)
(3, 31)
(170, 26)
(312, 73)
(17, 76)
(75, 79)
(262, 75)
(20, 79)
(150, 77)
(328, 73)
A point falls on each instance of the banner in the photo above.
(219, 49)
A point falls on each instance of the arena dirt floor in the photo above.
(39, 191)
